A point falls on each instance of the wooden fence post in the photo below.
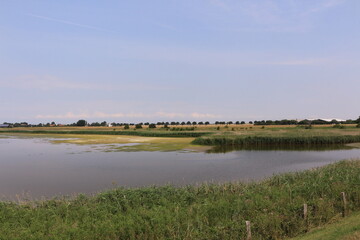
(305, 211)
(344, 213)
(248, 230)
(305, 216)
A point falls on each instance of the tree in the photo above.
(81, 123)
(126, 126)
(358, 120)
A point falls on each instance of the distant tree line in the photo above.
(305, 122)
(140, 125)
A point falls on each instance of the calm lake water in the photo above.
(36, 167)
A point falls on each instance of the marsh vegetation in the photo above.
(211, 135)
(213, 211)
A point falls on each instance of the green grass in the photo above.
(274, 206)
(345, 229)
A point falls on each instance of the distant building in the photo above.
(5, 125)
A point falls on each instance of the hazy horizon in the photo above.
(150, 61)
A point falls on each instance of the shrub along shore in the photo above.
(275, 140)
(208, 211)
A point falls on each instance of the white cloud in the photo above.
(47, 82)
(169, 115)
(68, 115)
(204, 115)
(325, 5)
(102, 115)
(69, 23)
(50, 82)
(219, 3)
(298, 62)
(272, 15)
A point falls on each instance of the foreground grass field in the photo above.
(345, 229)
(273, 206)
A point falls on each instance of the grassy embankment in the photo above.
(273, 206)
(346, 229)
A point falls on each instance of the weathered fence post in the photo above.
(305, 216)
(344, 213)
(248, 230)
(305, 211)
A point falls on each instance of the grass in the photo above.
(345, 229)
(274, 206)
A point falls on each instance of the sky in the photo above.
(177, 60)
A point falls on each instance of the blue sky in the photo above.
(130, 61)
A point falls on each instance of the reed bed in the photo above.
(232, 140)
(208, 211)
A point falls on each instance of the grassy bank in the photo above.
(274, 207)
(345, 229)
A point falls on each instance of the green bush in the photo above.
(275, 140)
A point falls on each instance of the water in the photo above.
(35, 167)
